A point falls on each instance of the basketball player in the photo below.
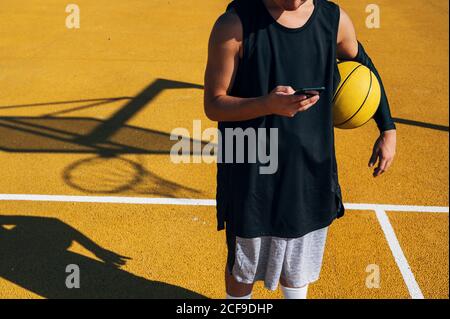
(260, 52)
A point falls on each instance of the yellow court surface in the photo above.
(86, 116)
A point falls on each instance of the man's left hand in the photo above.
(384, 152)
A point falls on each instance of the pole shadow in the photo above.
(437, 127)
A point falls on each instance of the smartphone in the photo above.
(310, 92)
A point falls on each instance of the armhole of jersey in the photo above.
(338, 21)
(239, 9)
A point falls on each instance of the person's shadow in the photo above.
(34, 255)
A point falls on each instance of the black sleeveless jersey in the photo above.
(303, 194)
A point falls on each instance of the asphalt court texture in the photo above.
(131, 74)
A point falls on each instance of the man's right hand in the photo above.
(282, 101)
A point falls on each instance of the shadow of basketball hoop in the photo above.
(110, 140)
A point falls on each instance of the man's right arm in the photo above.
(223, 58)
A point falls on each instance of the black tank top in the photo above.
(303, 194)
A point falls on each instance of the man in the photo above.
(260, 52)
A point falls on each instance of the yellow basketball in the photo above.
(357, 97)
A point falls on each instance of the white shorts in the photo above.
(297, 260)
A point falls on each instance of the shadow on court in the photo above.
(107, 171)
(51, 133)
(113, 175)
(34, 256)
(431, 126)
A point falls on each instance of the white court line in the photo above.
(399, 208)
(108, 199)
(196, 202)
(399, 256)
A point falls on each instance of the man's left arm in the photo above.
(349, 49)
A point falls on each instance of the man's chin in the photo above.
(291, 6)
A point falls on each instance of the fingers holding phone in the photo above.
(282, 101)
(285, 101)
(308, 102)
(312, 96)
